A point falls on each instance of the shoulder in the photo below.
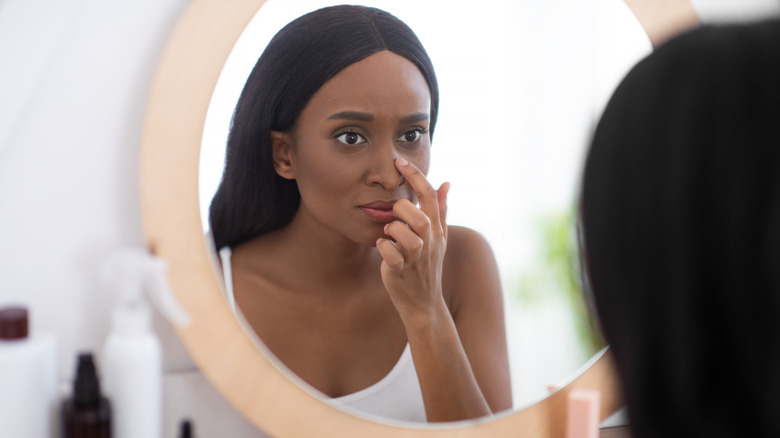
(470, 268)
(465, 246)
(263, 255)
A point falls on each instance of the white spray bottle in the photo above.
(132, 357)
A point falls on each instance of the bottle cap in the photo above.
(133, 270)
(14, 323)
(86, 387)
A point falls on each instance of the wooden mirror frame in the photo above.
(248, 378)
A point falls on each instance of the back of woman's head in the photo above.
(681, 227)
(252, 199)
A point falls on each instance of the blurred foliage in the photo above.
(557, 271)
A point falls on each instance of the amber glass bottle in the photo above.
(87, 413)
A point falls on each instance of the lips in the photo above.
(379, 211)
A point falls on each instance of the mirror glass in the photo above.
(522, 85)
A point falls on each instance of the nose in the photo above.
(382, 170)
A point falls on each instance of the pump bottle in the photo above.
(132, 355)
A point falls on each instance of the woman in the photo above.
(681, 223)
(325, 252)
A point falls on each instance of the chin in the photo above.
(370, 237)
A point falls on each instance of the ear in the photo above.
(281, 144)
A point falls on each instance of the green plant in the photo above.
(556, 270)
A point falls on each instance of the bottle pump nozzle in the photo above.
(133, 270)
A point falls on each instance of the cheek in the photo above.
(321, 180)
(323, 176)
(420, 158)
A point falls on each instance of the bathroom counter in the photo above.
(615, 432)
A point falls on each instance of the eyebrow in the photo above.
(352, 115)
(414, 118)
(367, 117)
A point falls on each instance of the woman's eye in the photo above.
(351, 138)
(411, 136)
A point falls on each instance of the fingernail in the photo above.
(386, 226)
(401, 161)
(378, 241)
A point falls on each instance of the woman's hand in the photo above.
(412, 261)
(412, 268)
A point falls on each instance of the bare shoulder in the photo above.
(465, 247)
(264, 255)
(469, 267)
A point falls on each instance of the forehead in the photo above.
(383, 83)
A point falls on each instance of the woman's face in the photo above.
(342, 151)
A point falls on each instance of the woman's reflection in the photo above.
(324, 250)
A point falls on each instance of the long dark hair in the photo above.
(681, 223)
(252, 199)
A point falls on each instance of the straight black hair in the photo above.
(252, 199)
(681, 224)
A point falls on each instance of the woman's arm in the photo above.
(472, 280)
(412, 273)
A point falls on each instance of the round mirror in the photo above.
(173, 133)
(518, 99)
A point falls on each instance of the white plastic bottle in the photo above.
(28, 378)
(132, 358)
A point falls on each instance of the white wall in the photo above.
(74, 76)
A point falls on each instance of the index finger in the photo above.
(429, 201)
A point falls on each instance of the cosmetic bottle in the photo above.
(28, 378)
(132, 355)
(86, 413)
(186, 430)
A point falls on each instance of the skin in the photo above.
(372, 281)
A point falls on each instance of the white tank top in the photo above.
(397, 396)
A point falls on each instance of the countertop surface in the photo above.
(615, 432)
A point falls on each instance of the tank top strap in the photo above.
(227, 273)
